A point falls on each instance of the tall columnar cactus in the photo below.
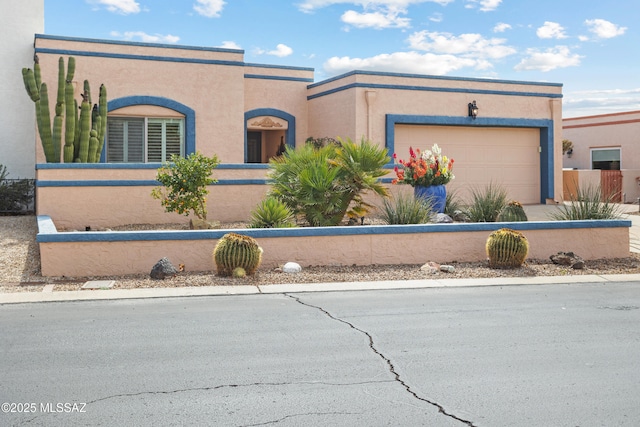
(512, 212)
(66, 121)
(235, 250)
(507, 248)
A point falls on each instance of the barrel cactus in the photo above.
(235, 250)
(512, 212)
(507, 248)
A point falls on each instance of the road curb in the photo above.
(147, 293)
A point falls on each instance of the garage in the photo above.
(505, 155)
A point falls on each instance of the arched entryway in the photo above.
(267, 132)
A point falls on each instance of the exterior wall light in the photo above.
(473, 110)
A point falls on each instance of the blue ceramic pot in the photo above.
(436, 193)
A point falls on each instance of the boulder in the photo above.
(163, 269)
(443, 219)
(201, 224)
(447, 268)
(568, 259)
(430, 267)
(292, 267)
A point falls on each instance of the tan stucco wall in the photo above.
(73, 259)
(356, 105)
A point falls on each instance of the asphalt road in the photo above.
(546, 355)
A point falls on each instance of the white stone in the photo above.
(292, 267)
(99, 284)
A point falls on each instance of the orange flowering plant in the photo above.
(424, 168)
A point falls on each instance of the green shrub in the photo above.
(487, 203)
(404, 208)
(324, 184)
(185, 181)
(452, 203)
(271, 213)
(588, 203)
(16, 195)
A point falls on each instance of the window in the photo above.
(142, 140)
(605, 158)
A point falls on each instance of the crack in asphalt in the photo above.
(390, 365)
(217, 387)
(279, 420)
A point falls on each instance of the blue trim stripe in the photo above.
(102, 166)
(139, 182)
(431, 77)
(544, 125)
(282, 78)
(433, 89)
(47, 233)
(138, 57)
(132, 43)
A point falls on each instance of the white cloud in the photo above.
(600, 101)
(209, 8)
(144, 37)
(123, 7)
(501, 27)
(485, 5)
(309, 6)
(551, 30)
(229, 45)
(436, 17)
(280, 51)
(402, 62)
(550, 59)
(470, 45)
(604, 29)
(377, 20)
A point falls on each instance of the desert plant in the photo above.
(453, 203)
(512, 212)
(185, 181)
(16, 195)
(588, 203)
(325, 184)
(486, 203)
(84, 135)
(272, 213)
(507, 248)
(403, 208)
(235, 251)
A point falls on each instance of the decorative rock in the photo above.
(292, 267)
(430, 267)
(447, 268)
(569, 259)
(460, 216)
(163, 269)
(443, 219)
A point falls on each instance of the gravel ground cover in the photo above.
(20, 267)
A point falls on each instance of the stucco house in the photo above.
(166, 99)
(606, 152)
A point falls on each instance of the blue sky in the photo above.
(591, 47)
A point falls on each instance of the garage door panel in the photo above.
(505, 156)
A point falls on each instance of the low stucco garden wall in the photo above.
(81, 254)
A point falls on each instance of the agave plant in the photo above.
(588, 203)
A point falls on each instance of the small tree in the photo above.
(185, 181)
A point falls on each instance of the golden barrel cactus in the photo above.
(507, 248)
(235, 250)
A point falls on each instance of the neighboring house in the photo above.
(610, 145)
